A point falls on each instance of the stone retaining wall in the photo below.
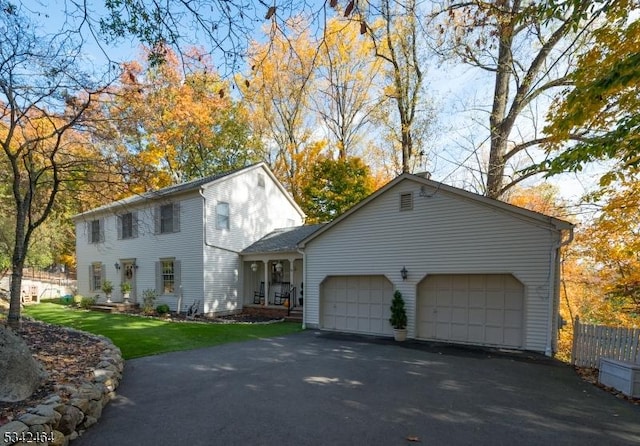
(61, 421)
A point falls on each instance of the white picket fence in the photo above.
(592, 342)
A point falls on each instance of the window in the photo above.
(95, 231)
(406, 201)
(127, 226)
(95, 276)
(167, 276)
(222, 216)
(168, 218)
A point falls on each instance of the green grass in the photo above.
(139, 336)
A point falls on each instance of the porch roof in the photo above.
(282, 240)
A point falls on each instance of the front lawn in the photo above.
(138, 336)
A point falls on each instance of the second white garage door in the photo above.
(357, 304)
(484, 309)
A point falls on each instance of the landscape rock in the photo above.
(21, 373)
(71, 417)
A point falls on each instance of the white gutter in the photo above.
(554, 288)
(304, 280)
(204, 226)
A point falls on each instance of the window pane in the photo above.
(222, 216)
(168, 278)
(127, 225)
(95, 231)
(96, 276)
(166, 218)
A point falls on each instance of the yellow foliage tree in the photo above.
(278, 92)
(173, 127)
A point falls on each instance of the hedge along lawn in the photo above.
(140, 336)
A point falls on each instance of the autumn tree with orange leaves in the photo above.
(45, 99)
(171, 127)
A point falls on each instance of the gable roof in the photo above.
(281, 240)
(189, 186)
(533, 216)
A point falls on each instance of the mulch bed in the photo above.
(69, 358)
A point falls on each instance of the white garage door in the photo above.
(357, 304)
(485, 309)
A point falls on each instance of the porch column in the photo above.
(266, 282)
(291, 283)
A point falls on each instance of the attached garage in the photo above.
(358, 304)
(484, 309)
(470, 269)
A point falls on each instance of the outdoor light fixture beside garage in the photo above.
(404, 273)
(117, 266)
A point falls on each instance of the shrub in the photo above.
(148, 301)
(86, 302)
(162, 309)
(398, 319)
(77, 299)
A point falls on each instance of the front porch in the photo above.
(272, 270)
(274, 283)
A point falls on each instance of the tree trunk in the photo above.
(17, 267)
(499, 134)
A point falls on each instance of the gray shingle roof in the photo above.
(284, 239)
(166, 191)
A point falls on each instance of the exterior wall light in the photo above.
(404, 273)
(279, 266)
(254, 267)
(117, 266)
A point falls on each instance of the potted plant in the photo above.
(107, 287)
(398, 319)
(125, 287)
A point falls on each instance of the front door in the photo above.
(129, 276)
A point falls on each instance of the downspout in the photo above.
(204, 226)
(304, 280)
(554, 289)
(206, 243)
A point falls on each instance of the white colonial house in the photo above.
(184, 241)
(471, 270)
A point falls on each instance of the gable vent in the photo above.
(406, 201)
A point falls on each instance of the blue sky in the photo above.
(455, 92)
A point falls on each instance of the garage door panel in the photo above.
(512, 318)
(459, 332)
(471, 308)
(459, 315)
(494, 335)
(476, 299)
(356, 304)
(477, 316)
(495, 317)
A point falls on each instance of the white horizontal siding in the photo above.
(443, 234)
(148, 248)
(254, 211)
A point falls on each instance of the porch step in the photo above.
(103, 308)
(113, 307)
(294, 316)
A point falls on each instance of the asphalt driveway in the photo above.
(320, 389)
